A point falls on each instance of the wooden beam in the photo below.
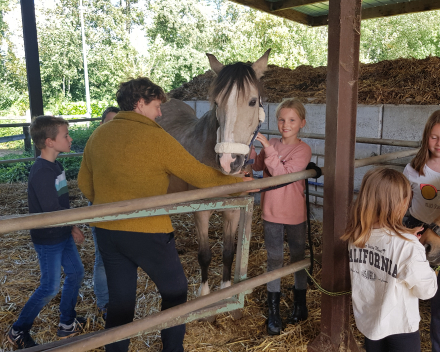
(387, 10)
(340, 125)
(400, 9)
(264, 6)
(288, 4)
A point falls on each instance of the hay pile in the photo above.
(20, 276)
(401, 81)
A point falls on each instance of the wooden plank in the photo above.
(388, 10)
(12, 138)
(342, 90)
(167, 317)
(264, 6)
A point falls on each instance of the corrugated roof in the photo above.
(321, 9)
(315, 12)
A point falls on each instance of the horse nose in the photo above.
(237, 164)
(427, 248)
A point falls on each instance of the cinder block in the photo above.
(191, 103)
(359, 175)
(386, 149)
(265, 124)
(273, 124)
(202, 107)
(369, 121)
(363, 150)
(315, 118)
(316, 213)
(406, 122)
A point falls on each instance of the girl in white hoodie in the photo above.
(388, 267)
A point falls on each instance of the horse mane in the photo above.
(239, 73)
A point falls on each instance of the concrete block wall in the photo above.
(401, 122)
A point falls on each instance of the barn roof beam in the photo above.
(386, 11)
(266, 6)
(289, 4)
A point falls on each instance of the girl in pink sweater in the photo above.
(284, 208)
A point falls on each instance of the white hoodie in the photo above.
(388, 277)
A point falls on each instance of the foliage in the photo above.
(80, 135)
(79, 107)
(19, 172)
(415, 35)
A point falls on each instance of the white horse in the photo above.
(220, 139)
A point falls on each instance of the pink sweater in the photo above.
(286, 205)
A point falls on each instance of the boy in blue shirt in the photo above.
(55, 246)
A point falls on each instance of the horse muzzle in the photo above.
(431, 242)
(230, 163)
(230, 156)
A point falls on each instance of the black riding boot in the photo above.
(299, 312)
(274, 324)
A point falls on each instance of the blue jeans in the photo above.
(99, 276)
(51, 259)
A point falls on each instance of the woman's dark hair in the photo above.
(109, 109)
(130, 92)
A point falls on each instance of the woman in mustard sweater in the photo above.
(132, 157)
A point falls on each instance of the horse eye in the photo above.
(252, 103)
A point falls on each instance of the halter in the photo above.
(239, 148)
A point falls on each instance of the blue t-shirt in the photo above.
(47, 191)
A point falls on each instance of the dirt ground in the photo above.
(19, 277)
(402, 81)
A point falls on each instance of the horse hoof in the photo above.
(204, 289)
(225, 284)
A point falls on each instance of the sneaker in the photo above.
(103, 312)
(21, 339)
(73, 329)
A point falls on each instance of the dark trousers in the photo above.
(409, 342)
(123, 252)
(435, 320)
(274, 240)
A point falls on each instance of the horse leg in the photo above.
(201, 220)
(230, 224)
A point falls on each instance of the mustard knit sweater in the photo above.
(132, 157)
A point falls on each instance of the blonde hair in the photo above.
(383, 199)
(292, 103)
(423, 155)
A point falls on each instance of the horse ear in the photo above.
(216, 66)
(260, 66)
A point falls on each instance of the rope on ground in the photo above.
(328, 293)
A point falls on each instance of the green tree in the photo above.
(415, 35)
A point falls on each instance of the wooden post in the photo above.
(32, 62)
(342, 85)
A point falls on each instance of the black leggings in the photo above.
(123, 252)
(409, 342)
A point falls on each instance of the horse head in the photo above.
(431, 241)
(236, 99)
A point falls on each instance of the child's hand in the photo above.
(418, 232)
(249, 178)
(77, 235)
(263, 140)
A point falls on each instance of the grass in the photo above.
(19, 172)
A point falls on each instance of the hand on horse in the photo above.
(77, 235)
(248, 177)
(263, 140)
